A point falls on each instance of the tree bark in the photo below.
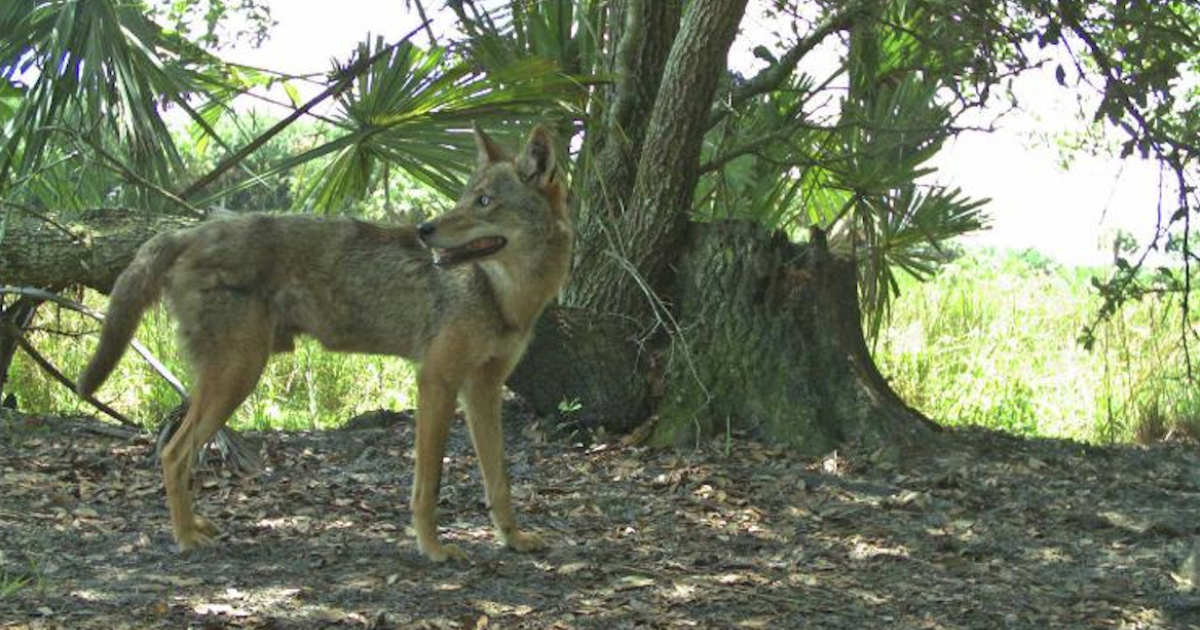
(634, 214)
(769, 343)
(634, 255)
(766, 342)
(608, 179)
(588, 369)
(90, 249)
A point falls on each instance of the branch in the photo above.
(748, 147)
(1107, 66)
(38, 215)
(95, 247)
(421, 15)
(337, 88)
(650, 28)
(774, 75)
(753, 145)
(58, 376)
(1169, 150)
(127, 173)
(85, 310)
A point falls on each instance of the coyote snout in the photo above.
(243, 288)
(449, 250)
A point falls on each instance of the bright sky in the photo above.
(1069, 215)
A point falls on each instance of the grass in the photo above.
(992, 341)
(309, 388)
(11, 583)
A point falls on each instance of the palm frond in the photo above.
(568, 33)
(413, 110)
(907, 232)
(101, 68)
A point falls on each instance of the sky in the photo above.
(1070, 215)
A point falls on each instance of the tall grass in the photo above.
(308, 388)
(992, 341)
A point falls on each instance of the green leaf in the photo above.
(293, 94)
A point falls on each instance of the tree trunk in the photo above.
(588, 369)
(636, 196)
(766, 340)
(633, 254)
(769, 342)
(608, 179)
(90, 249)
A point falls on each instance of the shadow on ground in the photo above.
(986, 532)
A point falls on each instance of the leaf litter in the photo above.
(981, 531)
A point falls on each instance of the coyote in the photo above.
(459, 294)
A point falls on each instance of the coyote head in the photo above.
(509, 205)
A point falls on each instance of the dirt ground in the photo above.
(982, 531)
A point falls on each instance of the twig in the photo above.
(84, 309)
(124, 171)
(771, 77)
(37, 215)
(278, 103)
(66, 382)
(92, 426)
(1185, 308)
(1171, 151)
(675, 574)
(286, 76)
(666, 319)
(337, 88)
(425, 19)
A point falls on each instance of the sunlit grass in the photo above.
(309, 388)
(992, 341)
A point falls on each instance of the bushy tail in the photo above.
(138, 288)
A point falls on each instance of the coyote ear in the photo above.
(537, 163)
(487, 150)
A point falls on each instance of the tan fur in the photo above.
(242, 288)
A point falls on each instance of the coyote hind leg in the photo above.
(226, 373)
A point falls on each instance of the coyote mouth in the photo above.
(478, 248)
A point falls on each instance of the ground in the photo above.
(979, 531)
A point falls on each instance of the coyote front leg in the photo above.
(482, 395)
(435, 410)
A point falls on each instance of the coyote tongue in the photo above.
(477, 248)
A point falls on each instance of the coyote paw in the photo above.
(205, 526)
(438, 552)
(193, 541)
(202, 533)
(524, 542)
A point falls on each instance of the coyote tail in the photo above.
(137, 288)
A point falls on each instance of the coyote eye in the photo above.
(485, 200)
